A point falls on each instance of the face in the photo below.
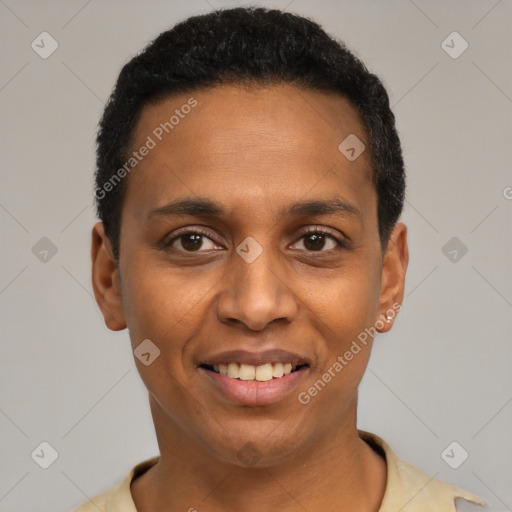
(250, 245)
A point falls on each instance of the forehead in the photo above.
(302, 118)
(259, 143)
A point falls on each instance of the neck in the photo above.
(340, 472)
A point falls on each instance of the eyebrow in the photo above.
(208, 208)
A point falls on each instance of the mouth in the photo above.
(249, 372)
(254, 379)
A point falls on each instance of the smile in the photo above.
(254, 385)
(248, 372)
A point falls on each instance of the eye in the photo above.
(318, 240)
(314, 240)
(192, 241)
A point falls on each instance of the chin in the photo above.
(256, 444)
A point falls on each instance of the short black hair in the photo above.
(253, 46)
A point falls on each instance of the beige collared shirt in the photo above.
(407, 488)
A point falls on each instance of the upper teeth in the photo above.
(261, 373)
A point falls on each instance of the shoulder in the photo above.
(411, 490)
(94, 504)
(419, 487)
(119, 498)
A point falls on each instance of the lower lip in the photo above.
(253, 392)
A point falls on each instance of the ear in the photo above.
(105, 279)
(394, 268)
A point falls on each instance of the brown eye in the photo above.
(314, 241)
(191, 241)
(318, 241)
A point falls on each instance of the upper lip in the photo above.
(255, 358)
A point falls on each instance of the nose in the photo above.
(256, 293)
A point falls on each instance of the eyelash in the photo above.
(340, 244)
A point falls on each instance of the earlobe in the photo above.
(396, 259)
(105, 279)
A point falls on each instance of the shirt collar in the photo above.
(407, 488)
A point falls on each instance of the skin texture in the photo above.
(255, 151)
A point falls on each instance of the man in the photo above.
(249, 183)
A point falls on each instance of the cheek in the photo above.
(343, 312)
(167, 309)
(163, 304)
(347, 303)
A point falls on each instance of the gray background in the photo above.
(444, 372)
